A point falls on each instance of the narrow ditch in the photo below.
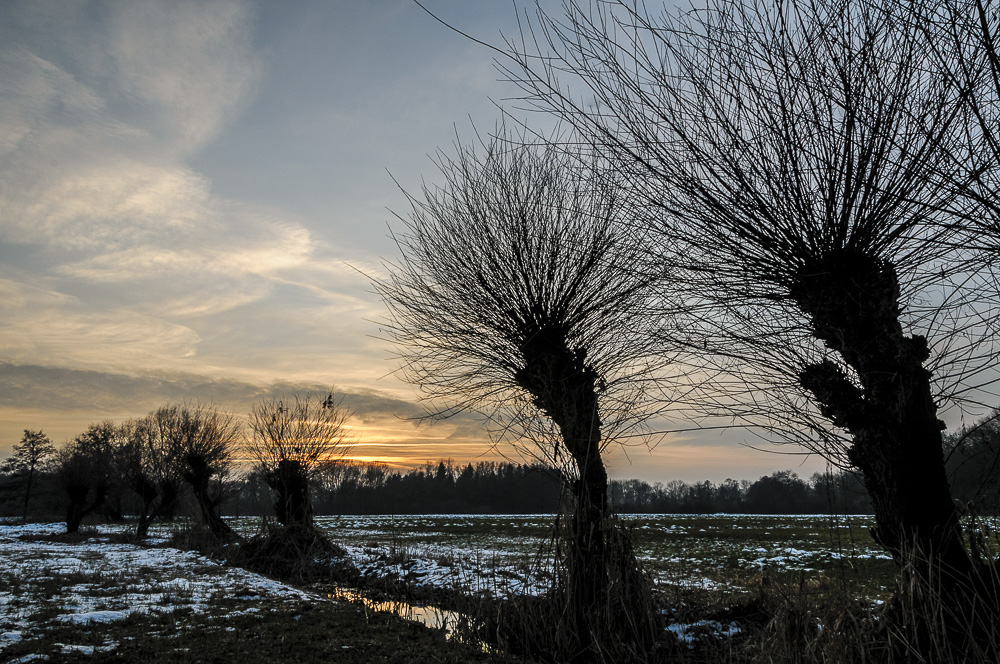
(430, 616)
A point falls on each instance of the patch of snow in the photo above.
(118, 580)
(93, 617)
(688, 632)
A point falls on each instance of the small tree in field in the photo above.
(85, 470)
(33, 455)
(205, 441)
(149, 462)
(516, 297)
(288, 439)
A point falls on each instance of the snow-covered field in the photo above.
(499, 553)
(45, 582)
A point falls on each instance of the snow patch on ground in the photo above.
(688, 632)
(98, 581)
(472, 571)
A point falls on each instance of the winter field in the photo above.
(61, 597)
(501, 553)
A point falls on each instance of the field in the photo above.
(489, 553)
(61, 597)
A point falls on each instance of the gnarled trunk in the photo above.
(158, 500)
(564, 386)
(588, 561)
(292, 505)
(199, 476)
(888, 407)
(78, 507)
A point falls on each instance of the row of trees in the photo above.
(782, 492)
(146, 466)
(141, 467)
(339, 487)
(784, 214)
(507, 488)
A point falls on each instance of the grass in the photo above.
(734, 590)
(309, 632)
(701, 551)
(93, 598)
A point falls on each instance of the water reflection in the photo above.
(431, 616)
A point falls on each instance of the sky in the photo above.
(194, 193)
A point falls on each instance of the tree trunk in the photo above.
(78, 508)
(291, 485)
(199, 476)
(27, 493)
(565, 388)
(75, 509)
(888, 407)
(148, 492)
(588, 563)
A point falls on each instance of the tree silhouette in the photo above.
(289, 438)
(85, 470)
(205, 440)
(31, 456)
(148, 458)
(797, 160)
(964, 38)
(517, 298)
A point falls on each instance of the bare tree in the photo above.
(32, 455)
(795, 159)
(517, 298)
(84, 470)
(205, 441)
(964, 38)
(289, 438)
(149, 461)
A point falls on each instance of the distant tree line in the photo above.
(782, 492)
(484, 488)
(148, 469)
(508, 488)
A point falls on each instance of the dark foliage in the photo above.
(31, 457)
(486, 488)
(782, 492)
(84, 472)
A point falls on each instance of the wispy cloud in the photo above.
(123, 246)
(384, 423)
(62, 330)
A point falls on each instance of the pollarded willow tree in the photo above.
(288, 440)
(517, 298)
(798, 156)
(148, 461)
(205, 442)
(85, 470)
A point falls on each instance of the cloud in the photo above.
(123, 250)
(59, 388)
(64, 401)
(189, 61)
(48, 324)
